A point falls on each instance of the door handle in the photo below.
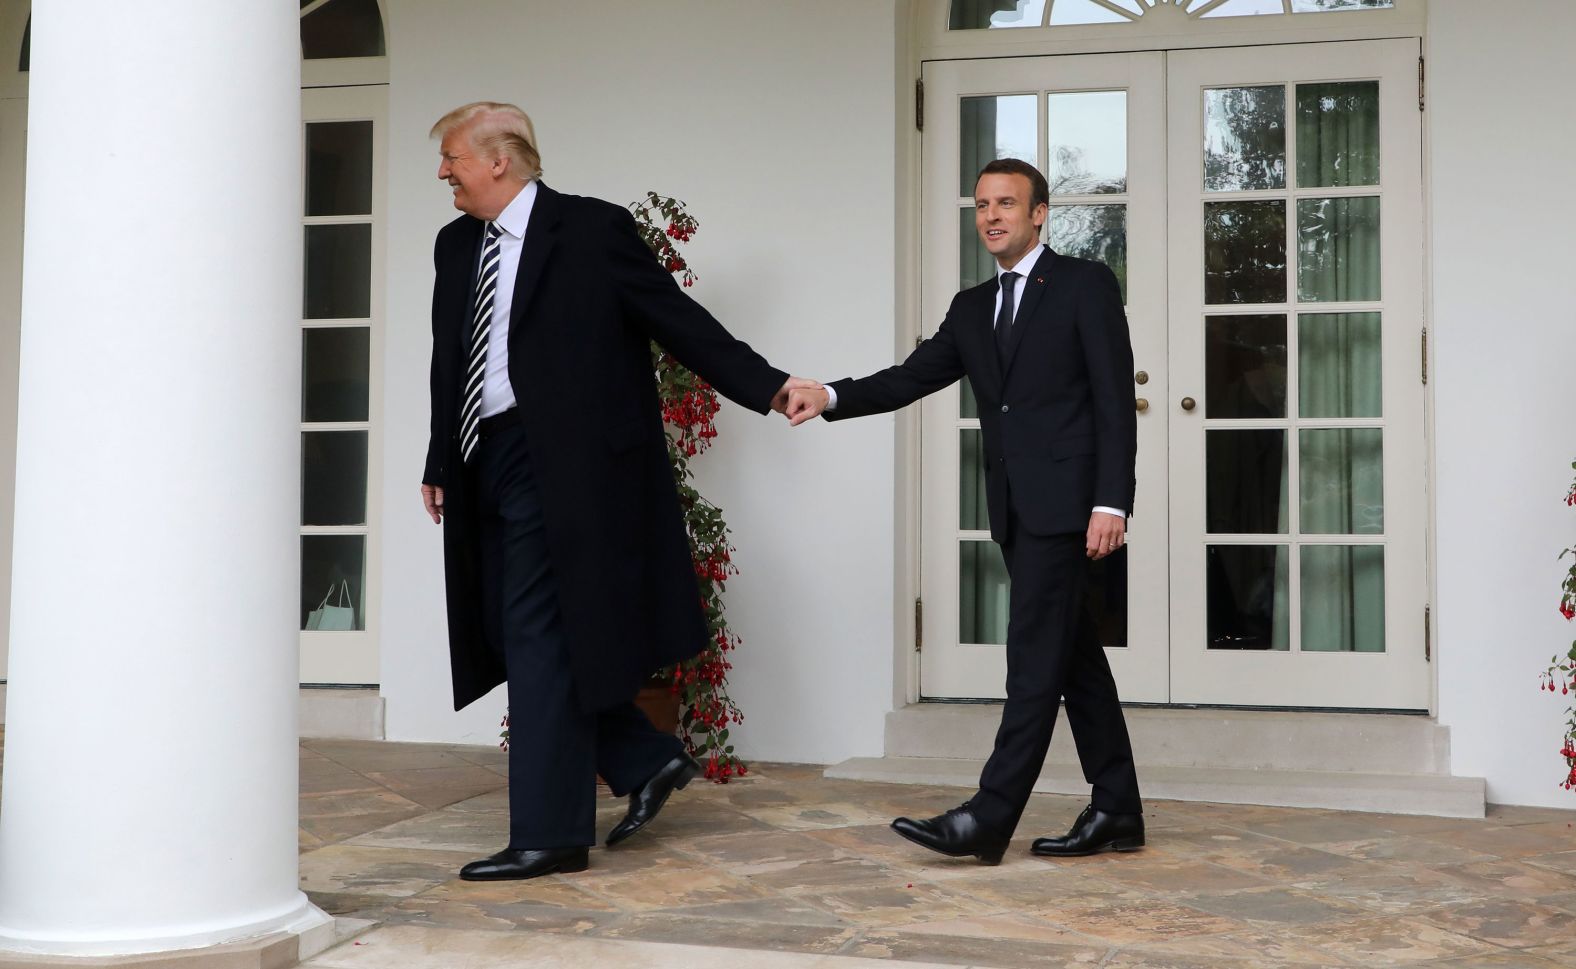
(1189, 403)
(1141, 404)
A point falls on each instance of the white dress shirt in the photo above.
(1023, 267)
(497, 393)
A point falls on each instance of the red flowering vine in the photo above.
(689, 409)
(1561, 674)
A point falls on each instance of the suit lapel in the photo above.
(541, 234)
(1034, 287)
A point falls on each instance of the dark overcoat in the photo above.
(588, 298)
(1056, 417)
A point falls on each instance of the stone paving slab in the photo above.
(786, 868)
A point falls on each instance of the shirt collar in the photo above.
(1024, 266)
(517, 214)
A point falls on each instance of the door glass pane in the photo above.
(1244, 138)
(1245, 481)
(1069, 12)
(339, 168)
(976, 14)
(1097, 232)
(971, 480)
(338, 272)
(334, 478)
(1247, 599)
(975, 265)
(1088, 142)
(1343, 598)
(334, 366)
(982, 594)
(1338, 249)
(332, 574)
(1342, 480)
(1338, 365)
(1245, 252)
(990, 128)
(1245, 366)
(1338, 134)
(1108, 598)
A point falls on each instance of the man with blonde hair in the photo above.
(566, 563)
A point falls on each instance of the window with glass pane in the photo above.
(1245, 481)
(1343, 598)
(335, 361)
(1072, 12)
(1245, 366)
(1248, 602)
(338, 272)
(984, 14)
(1338, 134)
(1341, 480)
(982, 594)
(1245, 252)
(333, 570)
(342, 28)
(339, 168)
(1088, 142)
(972, 514)
(1338, 249)
(1245, 138)
(994, 127)
(334, 478)
(1097, 232)
(975, 264)
(1339, 365)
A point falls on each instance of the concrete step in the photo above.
(1398, 793)
(1249, 740)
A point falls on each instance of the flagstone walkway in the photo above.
(786, 869)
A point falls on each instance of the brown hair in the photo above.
(1039, 190)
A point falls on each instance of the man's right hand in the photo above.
(432, 500)
(805, 403)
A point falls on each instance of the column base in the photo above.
(306, 935)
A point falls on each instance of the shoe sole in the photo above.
(985, 857)
(1122, 845)
(567, 868)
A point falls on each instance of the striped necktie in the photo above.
(481, 324)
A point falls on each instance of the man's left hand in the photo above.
(780, 401)
(1106, 534)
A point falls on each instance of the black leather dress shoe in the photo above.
(647, 799)
(958, 833)
(1095, 831)
(512, 863)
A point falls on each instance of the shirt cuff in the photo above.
(831, 397)
(1111, 511)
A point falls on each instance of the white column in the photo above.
(150, 764)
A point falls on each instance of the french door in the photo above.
(1262, 207)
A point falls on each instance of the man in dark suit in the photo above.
(1045, 346)
(566, 561)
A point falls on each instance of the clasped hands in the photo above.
(800, 399)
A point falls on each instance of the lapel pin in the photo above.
(1039, 279)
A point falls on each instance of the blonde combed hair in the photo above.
(496, 129)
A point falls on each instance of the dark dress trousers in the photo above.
(1060, 437)
(567, 567)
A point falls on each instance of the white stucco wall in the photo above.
(776, 123)
(1504, 204)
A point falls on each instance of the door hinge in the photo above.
(1428, 640)
(1424, 345)
(919, 625)
(1421, 99)
(919, 104)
